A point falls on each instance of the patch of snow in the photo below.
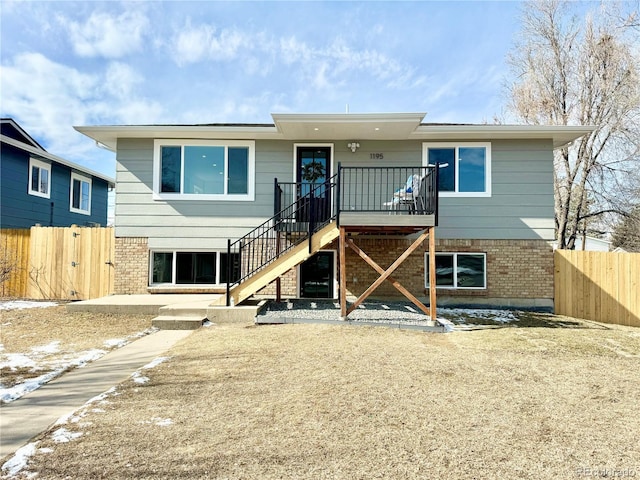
(22, 304)
(1, 345)
(8, 395)
(115, 342)
(19, 460)
(45, 450)
(207, 323)
(18, 360)
(62, 435)
(161, 422)
(155, 362)
(52, 347)
(138, 378)
(102, 397)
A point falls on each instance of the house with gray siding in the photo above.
(37, 187)
(198, 206)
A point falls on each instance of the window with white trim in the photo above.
(80, 198)
(203, 170)
(464, 168)
(458, 270)
(39, 178)
(192, 268)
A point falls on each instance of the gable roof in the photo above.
(39, 152)
(341, 126)
(11, 129)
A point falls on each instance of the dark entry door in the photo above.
(313, 169)
(316, 276)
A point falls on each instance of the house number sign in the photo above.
(376, 156)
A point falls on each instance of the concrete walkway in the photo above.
(23, 419)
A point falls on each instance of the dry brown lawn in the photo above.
(318, 401)
(23, 330)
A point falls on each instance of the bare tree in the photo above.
(571, 70)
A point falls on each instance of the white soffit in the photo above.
(347, 126)
(560, 134)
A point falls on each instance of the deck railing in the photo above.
(389, 190)
(290, 225)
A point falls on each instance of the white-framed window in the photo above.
(458, 270)
(465, 168)
(39, 178)
(80, 196)
(203, 170)
(191, 268)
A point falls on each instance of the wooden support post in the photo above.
(393, 281)
(388, 271)
(278, 282)
(432, 272)
(343, 273)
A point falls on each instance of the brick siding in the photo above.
(131, 265)
(519, 272)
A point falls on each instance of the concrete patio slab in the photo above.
(146, 304)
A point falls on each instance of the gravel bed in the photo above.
(405, 313)
(323, 310)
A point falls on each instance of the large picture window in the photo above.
(204, 170)
(458, 270)
(80, 201)
(39, 178)
(464, 168)
(192, 268)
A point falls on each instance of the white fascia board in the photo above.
(347, 117)
(43, 154)
(109, 135)
(560, 134)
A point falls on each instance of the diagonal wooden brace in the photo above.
(386, 273)
(393, 281)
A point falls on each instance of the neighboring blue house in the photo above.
(37, 187)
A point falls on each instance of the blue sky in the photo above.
(93, 63)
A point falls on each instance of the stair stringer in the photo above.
(282, 265)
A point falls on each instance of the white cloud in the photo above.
(59, 96)
(121, 79)
(204, 42)
(106, 35)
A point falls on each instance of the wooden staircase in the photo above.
(281, 265)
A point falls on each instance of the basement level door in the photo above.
(316, 276)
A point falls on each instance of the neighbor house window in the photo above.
(192, 268)
(80, 194)
(204, 170)
(458, 270)
(39, 178)
(464, 168)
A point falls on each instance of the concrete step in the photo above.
(182, 322)
(183, 310)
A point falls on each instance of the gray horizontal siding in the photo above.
(521, 202)
(521, 205)
(191, 224)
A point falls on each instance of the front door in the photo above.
(316, 276)
(313, 169)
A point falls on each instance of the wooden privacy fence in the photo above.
(14, 262)
(62, 263)
(599, 286)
